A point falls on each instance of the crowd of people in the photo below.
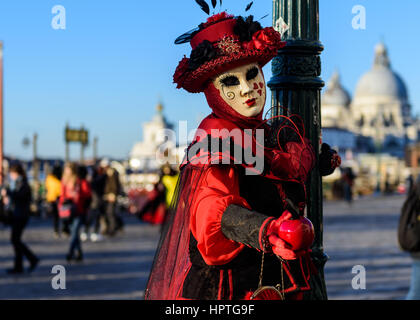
(86, 193)
(81, 202)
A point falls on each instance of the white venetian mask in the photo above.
(243, 89)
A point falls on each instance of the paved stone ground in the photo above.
(113, 269)
(365, 234)
(117, 268)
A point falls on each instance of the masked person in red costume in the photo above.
(224, 239)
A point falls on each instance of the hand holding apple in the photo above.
(289, 236)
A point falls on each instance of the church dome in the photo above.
(335, 94)
(381, 80)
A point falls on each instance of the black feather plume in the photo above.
(214, 3)
(264, 17)
(204, 6)
(221, 2)
(246, 28)
(249, 6)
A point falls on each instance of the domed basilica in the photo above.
(377, 119)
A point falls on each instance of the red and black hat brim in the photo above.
(261, 49)
(195, 81)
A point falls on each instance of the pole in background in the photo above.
(95, 149)
(1, 113)
(35, 158)
(82, 148)
(36, 166)
(296, 86)
(67, 155)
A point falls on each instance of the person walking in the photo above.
(348, 184)
(111, 191)
(75, 195)
(96, 212)
(17, 199)
(53, 187)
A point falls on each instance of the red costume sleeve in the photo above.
(218, 189)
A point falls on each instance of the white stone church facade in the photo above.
(379, 113)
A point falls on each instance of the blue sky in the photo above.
(114, 61)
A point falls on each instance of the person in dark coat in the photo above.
(111, 191)
(97, 207)
(412, 204)
(17, 199)
(348, 183)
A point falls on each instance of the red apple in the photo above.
(299, 233)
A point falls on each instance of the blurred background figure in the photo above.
(53, 189)
(159, 199)
(17, 200)
(169, 178)
(154, 207)
(73, 205)
(409, 236)
(112, 189)
(409, 183)
(348, 178)
(414, 293)
(96, 212)
(389, 188)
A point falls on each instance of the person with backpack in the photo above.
(73, 206)
(409, 236)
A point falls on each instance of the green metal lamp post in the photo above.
(296, 89)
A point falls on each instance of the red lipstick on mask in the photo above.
(251, 102)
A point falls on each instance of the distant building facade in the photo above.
(373, 129)
(147, 156)
(379, 114)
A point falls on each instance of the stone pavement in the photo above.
(115, 268)
(364, 234)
